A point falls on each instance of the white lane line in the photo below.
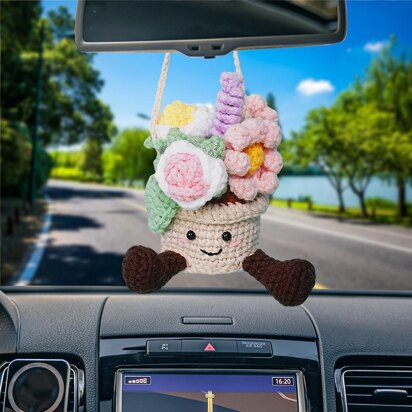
(361, 228)
(369, 230)
(338, 234)
(33, 263)
(136, 205)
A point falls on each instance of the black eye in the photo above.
(226, 236)
(191, 235)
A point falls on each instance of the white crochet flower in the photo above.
(192, 120)
(189, 176)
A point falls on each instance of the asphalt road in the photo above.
(92, 227)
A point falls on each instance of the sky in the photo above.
(301, 78)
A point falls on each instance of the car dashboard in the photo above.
(339, 351)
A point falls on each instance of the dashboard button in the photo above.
(254, 347)
(208, 347)
(164, 347)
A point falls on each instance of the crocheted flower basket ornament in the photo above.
(214, 172)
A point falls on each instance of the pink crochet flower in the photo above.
(257, 108)
(184, 176)
(251, 158)
(189, 176)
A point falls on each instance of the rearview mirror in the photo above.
(206, 28)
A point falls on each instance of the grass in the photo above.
(385, 214)
(15, 247)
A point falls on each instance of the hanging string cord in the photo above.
(161, 86)
(159, 95)
(236, 60)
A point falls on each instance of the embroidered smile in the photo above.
(211, 253)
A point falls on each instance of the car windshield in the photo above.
(74, 165)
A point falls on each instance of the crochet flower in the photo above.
(191, 119)
(189, 176)
(256, 108)
(230, 102)
(251, 158)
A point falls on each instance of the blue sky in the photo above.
(301, 78)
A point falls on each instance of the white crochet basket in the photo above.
(208, 252)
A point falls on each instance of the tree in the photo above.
(101, 131)
(18, 32)
(15, 156)
(319, 143)
(70, 83)
(70, 110)
(127, 160)
(389, 86)
(363, 135)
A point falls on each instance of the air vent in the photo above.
(3, 373)
(367, 390)
(76, 388)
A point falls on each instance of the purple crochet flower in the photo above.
(230, 102)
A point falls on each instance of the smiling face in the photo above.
(216, 238)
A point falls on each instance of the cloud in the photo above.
(310, 87)
(374, 46)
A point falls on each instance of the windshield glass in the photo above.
(74, 167)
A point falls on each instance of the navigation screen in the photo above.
(200, 392)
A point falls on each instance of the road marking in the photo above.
(367, 229)
(136, 205)
(320, 286)
(339, 234)
(33, 263)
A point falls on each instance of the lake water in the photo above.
(321, 191)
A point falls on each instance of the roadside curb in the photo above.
(36, 256)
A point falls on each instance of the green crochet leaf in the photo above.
(148, 143)
(214, 146)
(160, 208)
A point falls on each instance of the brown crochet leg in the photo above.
(289, 282)
(145, 271)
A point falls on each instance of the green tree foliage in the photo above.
(19, 28)
(67, 165)
(367, 131)
(15, 160)
(70, 110)
(363, 130)
(100, 132)
(318, 143)
(127, 160)
(389, 85)
(92, 160)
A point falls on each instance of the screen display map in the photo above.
(208, 392)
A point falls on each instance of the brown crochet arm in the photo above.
(145, 271)
(290, 282)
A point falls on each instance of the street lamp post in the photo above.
(35, 137)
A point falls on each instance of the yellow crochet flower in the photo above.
(256, 156)
(177, 114)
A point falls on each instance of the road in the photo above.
(92, 227)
